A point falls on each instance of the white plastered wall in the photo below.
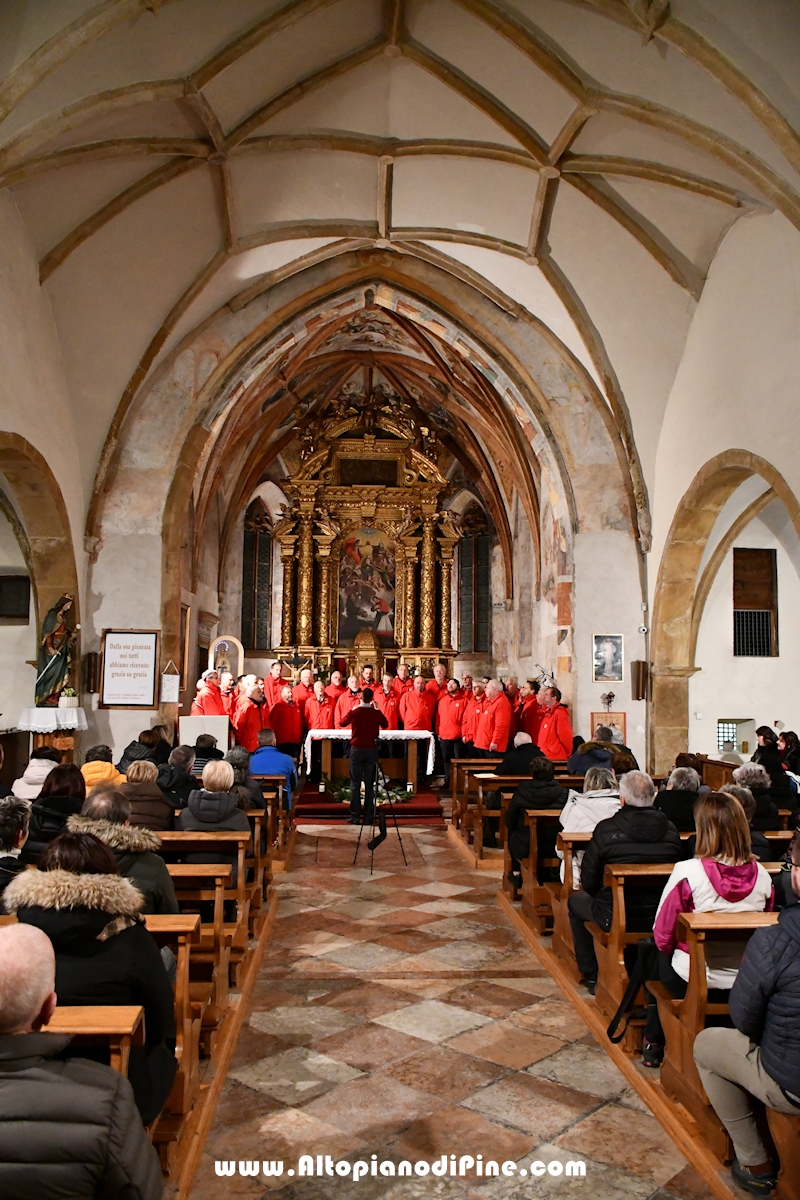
(17, 640)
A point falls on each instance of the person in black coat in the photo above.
(104, 954)
(541, 791)
(760, 1057)
(214, 808)
(601, 752)
(638, 833)
(788, 748)
(678, 799)
(15, 817)
(175, 777)
(769, 757)
(61, 797)
(755, 777)
(518, 759)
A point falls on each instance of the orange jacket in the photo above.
(319, 715)
(100, 772)
(389, 706)
(287, 723)
(494, 725)
(416, 709)
(346, 702)
(247, 719)
(555, 733)
(450, 715)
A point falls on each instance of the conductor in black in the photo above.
(366, 721)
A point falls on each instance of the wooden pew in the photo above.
(118, 1027)
(280, 819)
(707, 935)
(569, 844)
(180, 932)
(535, 896)
(458, 766)
(257, 864)
(194, 884)
(475, 812)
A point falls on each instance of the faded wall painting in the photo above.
(366, 586)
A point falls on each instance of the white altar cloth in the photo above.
(385, 735)
(50, 720)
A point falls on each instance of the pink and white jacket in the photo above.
(704, 885)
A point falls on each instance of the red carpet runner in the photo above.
(422, 809)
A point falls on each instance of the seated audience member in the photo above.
(62, 795)
(106, 815)
(104, 954)
(145, 747)
(175, 777)
(638, 833)
(4, 791)
(163, 748)
(541, 791)
(678, 799)
(723, 877)
(602, 751)
(31, 781)
(212, 808)
(760, 1057)
(753, 776)
(729, 754)
(555, 730)
(758, 843)
(98, 767)
(584, 810)
(518, 759)
(684, 759)
(15, 817)
(268, 760)
(150, 809)
(286, 719)
(245, 787)
(206, 750)
(789, 750)
(77, 1117)
(768, 756)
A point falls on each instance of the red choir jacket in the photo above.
(346, 702)
(272, 689)
(555, 733)
(529, 718)
(401, 686)
(389, 706)
(472, 714)
(209, 702)
(319, 715)
(494, 725)
(416, 709)
(450, 715)
(300, 694)
(248, 717)
(334, 691)
(287, 723)
(436, 690)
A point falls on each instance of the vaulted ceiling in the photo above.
(581, 158)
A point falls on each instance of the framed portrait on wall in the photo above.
(615, 721)
(130, 668)
(607, 658)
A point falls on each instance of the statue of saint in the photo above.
(56, 648)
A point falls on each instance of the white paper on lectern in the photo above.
(191, 727)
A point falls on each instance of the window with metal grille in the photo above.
(475, 596)
(726, 732)
(257, 578)
(755, 603)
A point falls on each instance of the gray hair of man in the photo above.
(238, 757)
(182, 756)
(522, 739)
(494, 687)
(637, 789)
(599, 779)
(752, 775)
(107, 806)
(27, 978)
(684, 779)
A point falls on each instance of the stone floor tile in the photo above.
(409, 941)
(364, 873)
(370, 1046)
(431, 989)
(601, 1182)
(302, 1024)
(432, 1021)
(468, 956)
(457, 928)
(444, 1072)
(368, 999)
(236, 1103)
(687, 1185)
(554, 1016)
(507, 1045)
(372, 1107)
(321, 943)
(295, 1076)
(456, 1130)
(579, 1067)
(447, 908)
(442, 890)
(363, 956)
(623, 1138)
(533, 1106)
(487, 997)
(532, 985)
(363, 910)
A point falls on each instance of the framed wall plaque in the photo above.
(615, 721)
(130, 668)
(607, 658)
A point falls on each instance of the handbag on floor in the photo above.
(645, 968)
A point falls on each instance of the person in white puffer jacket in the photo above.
(31, 781)
(583, 810)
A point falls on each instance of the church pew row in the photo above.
(117, 1027)
(281, 819)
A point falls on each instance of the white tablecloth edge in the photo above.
(385, 735)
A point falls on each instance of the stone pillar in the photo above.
(410, 603)
(287, 614)
(669, 715)
(446, 596)
(305, 581)
(427, 585)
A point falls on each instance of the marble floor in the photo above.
(400, 1014)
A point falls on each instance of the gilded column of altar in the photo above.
(323, 604)
(305, 581)
(399, 598)
(287, 613)
(427, 586)
(446, 564)
(410, 604)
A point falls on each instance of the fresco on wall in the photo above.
(366, 587)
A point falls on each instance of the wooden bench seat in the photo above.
(559, 892)
(180, 932)
(537, 865)
(280, 819)
(117, 1027)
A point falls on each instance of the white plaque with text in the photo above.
(130, 668)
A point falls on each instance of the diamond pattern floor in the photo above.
(401, 1014)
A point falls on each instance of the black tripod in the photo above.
(381, 793)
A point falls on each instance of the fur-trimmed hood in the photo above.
(58, 890)
(124, 838)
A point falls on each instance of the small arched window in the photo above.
(257, 578)
(475, 595)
